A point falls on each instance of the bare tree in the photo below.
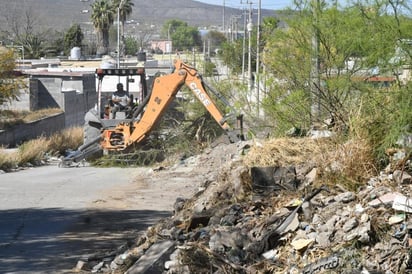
(22, 28)
(143, 34)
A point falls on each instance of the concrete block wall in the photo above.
(20, 133)
(75, 95)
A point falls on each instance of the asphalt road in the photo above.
(48, 217)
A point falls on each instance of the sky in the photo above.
(265, 4)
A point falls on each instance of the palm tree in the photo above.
(102, 19)
(124, 12)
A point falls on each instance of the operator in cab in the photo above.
(120, 101)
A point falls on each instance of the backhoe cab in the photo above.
(119, 134)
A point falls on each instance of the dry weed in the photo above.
(8, 159)
(351, 161)
(287, 151)
(32, 151)
(70, 138)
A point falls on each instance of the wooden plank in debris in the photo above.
(153, 260)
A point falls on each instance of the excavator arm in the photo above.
(164, 91)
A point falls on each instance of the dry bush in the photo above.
(287, 151)
(33, 151)
(8, 160)
(351, 161)
(70, 138)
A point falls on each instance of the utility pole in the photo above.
(249, 30)
(223, 22)
(244, 44)
(315, 80)
(258, 57)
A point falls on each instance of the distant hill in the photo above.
(61, 14)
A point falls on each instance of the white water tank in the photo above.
(75, 53)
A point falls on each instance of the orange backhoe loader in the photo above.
(120, 134)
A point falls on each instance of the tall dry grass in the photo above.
(36, 151)
(70, 138)
(8, 160)
(348, 163)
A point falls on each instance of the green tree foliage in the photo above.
(355, 43)
(10, 85)
(214, 39)
(184, 37)
(125, 10)
(232, 56)
(33, 46)
(170, 26)
(102, 18)
(131, 46)
(235, 54)
(73, 37)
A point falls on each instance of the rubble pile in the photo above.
(269, 209)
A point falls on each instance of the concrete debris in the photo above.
(402, 203)
(152, 260)
(301, 244)
(278, 220)
(402, 177)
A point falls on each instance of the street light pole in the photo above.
(118, 32)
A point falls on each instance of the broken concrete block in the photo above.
(311, 176)
(402, 177)
(385, 199)
(402, 203)
(322, 239)
(396, 219)
(222, 239)
(350, 224)
(153, 260)
(97, 267)
(79, 266)
(364, 233)
(270, 255)
(302, 243)
(345, 197)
